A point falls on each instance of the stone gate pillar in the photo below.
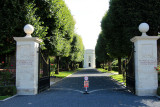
(145, 60)
(27, 62)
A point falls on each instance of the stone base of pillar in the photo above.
(27, 91)
(146, 92)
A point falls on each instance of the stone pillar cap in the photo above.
(35, 39)
(28, 29)
(144, 27)
(134, 39)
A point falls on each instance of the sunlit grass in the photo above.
(118, 77)
(63, 74)
(103, 70)
(115, 76)
(3, 97)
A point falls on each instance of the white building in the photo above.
(89, 58)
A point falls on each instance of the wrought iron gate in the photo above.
(43, 71)
(130, 73)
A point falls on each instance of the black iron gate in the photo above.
(43, 71)
(130, 73)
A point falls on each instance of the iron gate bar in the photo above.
(43, 71)
(130, 73)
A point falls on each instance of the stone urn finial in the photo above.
(28, 29)
(144, 27)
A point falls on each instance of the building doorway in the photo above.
(89, 64)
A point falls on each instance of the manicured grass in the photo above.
(103, 70)
(3, 97)
(79, 69)
(64, 73)
(118, 77)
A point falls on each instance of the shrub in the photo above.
(6, 78)
(7, 81)
(8, 90)
(115, 68)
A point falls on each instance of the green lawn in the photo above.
(3, 97)
(64, 73)
(116, 76)
(103, 70)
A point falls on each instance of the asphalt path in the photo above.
(103, 92)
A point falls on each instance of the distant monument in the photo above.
(89, 58)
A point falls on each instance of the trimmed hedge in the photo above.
(8, 90)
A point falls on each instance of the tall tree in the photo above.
(102, 55)
(77, 50)
(14, 14)
(57, 17)
(121, 23)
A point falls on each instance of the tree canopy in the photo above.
(120, 23)
(53, 23)
(14, 14)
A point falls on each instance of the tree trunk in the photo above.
(119, 65)
(109, 66)
(103, 64)
(71, 65)
(68, 66)
(57, 71)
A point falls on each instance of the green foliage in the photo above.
(115, 68)
(6, 78)
(52, 21)
(115, 63)
(121, 22)
(104, 70)
(8, 90)
(101, 51)
(118, 78)
(58, 19)
(63, 74)
(6, 84)
(3, 97)
(52, 59)
(14, 15)
(31, 18)
(77, 49)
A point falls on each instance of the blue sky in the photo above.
(88, 15)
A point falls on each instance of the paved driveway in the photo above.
(104, 92)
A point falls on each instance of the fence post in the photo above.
(27, 62)
(145, 60)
